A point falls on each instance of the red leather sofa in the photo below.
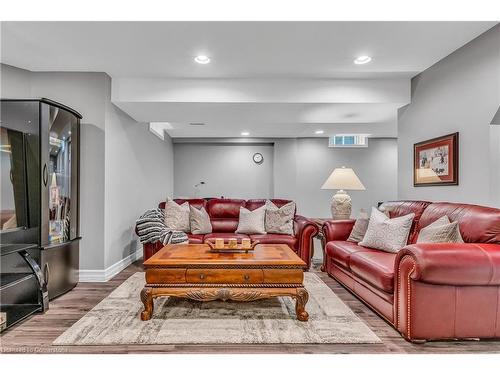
(224, 215)
(427, 291)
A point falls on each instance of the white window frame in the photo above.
(360, 140)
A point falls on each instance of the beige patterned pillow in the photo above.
(252, 222)
(358, 230)
(279, 220)
(440, 231)
(387, 234)
(199, 220)
(177, 216)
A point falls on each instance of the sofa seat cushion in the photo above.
(340, 251)
(224, 235)
(375, 267)
(276, 239)
(195, 238)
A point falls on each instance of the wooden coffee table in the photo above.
(192, 271)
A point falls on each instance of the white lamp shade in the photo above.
(343, 179)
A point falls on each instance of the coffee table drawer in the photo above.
(166, 276)
(286, 276)
(224, 276)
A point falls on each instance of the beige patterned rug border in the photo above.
(115, 320)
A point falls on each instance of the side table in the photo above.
(320, 236)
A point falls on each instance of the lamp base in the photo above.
(341, 205)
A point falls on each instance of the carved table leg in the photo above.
(147, 300)
(300, 304)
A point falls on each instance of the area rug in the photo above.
(115, 320)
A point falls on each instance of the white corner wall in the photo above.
(139, 174)
(459, 93)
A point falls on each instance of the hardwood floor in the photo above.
(36, 334)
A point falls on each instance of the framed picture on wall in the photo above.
(436, 161)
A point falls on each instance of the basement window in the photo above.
(348, 140)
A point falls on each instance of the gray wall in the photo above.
(227, 169)
(15, 82)
(293, 169)
(139, 174)
(302, 166)
(495, 165)
(285, 173)
(459, 93)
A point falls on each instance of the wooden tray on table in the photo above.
(226, 249)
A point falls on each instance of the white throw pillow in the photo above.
(440, 231)
(387, 234)
(279, 220)
(199, 220)
(252, 222)
(177, 216)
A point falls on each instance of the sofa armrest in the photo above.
(451, 263)
(150, 248)
(305, 230)
(337, 230)
(439, 287)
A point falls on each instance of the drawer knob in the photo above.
(202, 276)
(246, 277)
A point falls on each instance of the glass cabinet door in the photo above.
(19, 168)
(57, 174)
(13, 197)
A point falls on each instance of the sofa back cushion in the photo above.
(477, 223)
(252, 204)
(196, 202)
(402, 208)
(224, 214)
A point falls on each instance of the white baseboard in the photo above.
(88, 276)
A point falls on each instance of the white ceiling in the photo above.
(237, 49)
(292, 51)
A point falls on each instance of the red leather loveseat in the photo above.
(427, 291)
(224, 215)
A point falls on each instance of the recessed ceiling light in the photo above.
(245, 134)
(202, 59)
(362, 60)
(319, 132)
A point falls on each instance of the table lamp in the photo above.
(342, 178)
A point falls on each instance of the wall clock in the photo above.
(258, 158)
